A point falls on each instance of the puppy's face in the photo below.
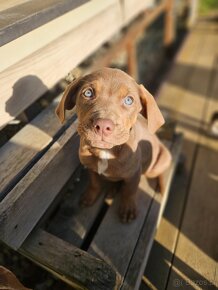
(107, 107)
(107, 104)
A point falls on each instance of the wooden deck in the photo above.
(185, 250)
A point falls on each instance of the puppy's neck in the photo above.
(105, 154)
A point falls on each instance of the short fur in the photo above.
(131, 148)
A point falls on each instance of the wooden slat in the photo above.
(130, 35)
(26, 203)
(169, 27)
(211, 110)
(114, 242)
(161, 255)
(31, 81)
(73, 265)
(131, 8)
(6, 4)
(198, 51)
(196, 251)
(72, 223)
(26, 144)
(24, 17)
(27, 44)
(143, 246)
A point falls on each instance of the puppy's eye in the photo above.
(88, 93)
(128, 100)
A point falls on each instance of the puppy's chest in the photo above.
(100, 161)
(103, 162)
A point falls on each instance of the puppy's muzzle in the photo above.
(103, 127)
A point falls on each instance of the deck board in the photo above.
(72, 222)
(189, 96)
(26, 144)
(40, 185)
(112, 234)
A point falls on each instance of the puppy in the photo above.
(117, 121)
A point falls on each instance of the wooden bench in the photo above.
(41, 180)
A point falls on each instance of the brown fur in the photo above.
(131, 148)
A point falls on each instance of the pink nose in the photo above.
(103, 127)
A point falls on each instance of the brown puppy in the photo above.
(117, 142)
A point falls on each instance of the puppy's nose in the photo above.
(103, 127)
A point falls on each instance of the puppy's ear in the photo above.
(68, 100)
(150, 110)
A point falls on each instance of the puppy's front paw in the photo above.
(89, 198)
(128, 211)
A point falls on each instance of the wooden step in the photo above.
(25, 204)
(123, 247)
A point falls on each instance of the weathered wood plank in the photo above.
(131, 34)
(196, 251)
(72, 222)
(27, 44)
(131, 8)
(169, 27)
(26, 144)
(24, 17)
(196, 53)
(22, 83)
(22, 208)
(115, 242)
(6, 4)
(143, 246)
(73, 265)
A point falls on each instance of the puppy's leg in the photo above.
(162, 163)
(128, 207)
(158, 170)
(93, 191)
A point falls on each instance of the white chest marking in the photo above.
(102, 166)
(104, 155)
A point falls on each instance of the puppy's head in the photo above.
(107, 104)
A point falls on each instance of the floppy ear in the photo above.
(150, 110)
(68, 100)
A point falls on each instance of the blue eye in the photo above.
(128, 101)
(88, 93)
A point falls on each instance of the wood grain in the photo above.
(22, 208)
(196, 57)
(24, 17)
(22, 83)
(131, 8)
(6, 4)
(72, 222)
(27, 143)
(29, 43)
(197, 252)
(115, 242)
(75, 266)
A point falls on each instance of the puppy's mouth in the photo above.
(106, 140)
(101, 144)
